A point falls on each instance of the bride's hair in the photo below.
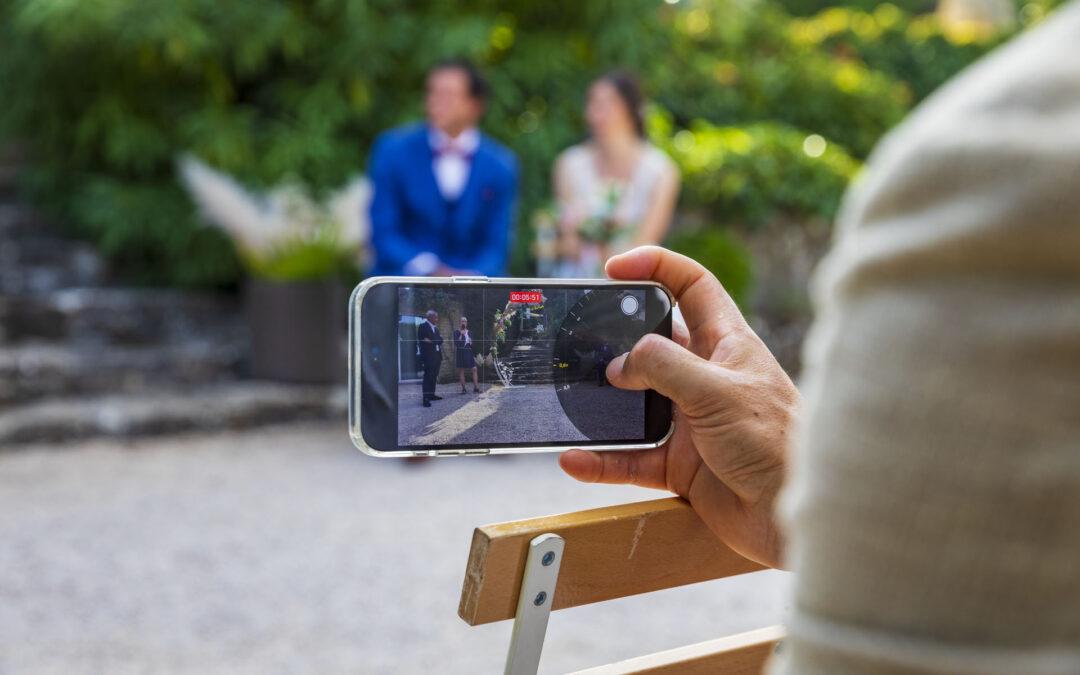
(628, 88)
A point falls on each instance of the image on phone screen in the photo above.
(490, 366)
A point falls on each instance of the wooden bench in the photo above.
(522, 570)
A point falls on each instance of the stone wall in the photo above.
(81, 355)
(785, 256)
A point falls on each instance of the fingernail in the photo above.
(614, 369)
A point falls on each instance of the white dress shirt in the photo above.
(451, 161)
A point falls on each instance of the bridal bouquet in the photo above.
(284, 234)
(600, 226)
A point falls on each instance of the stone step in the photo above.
(13, 156)
(9, 174)
(17, 219)
(528, 367)
(34, 259)
(36, 264)
(35, 370)
(121, 316)
(237, 405)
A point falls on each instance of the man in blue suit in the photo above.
(444, 192)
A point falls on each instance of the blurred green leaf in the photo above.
(723, 255)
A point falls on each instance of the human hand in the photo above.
(735, 409)
(444, 270)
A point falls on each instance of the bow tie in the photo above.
(453, 150)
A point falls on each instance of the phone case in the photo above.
(355, 321)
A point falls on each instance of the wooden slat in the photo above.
(742, 654)
(611, 552)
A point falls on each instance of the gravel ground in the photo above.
(287, 551)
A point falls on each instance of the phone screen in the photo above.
(499, 366)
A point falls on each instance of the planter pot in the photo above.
(298, 330)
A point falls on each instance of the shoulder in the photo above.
(658, 162)
(502, 156)
(574, 163)
(400, 137)
(960, 150)
(575, 155)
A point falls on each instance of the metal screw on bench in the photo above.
(537, 583)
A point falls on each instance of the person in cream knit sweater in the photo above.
(930, 467)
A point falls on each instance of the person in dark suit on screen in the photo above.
(602, 355)
(430, 341)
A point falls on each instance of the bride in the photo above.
(616, 190)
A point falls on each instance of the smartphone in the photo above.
(478, 366)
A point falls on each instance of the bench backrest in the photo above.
(609, 553)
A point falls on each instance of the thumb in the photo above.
(657, 363)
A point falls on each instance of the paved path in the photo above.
(507, 415)
(497, 415)
(286, 551)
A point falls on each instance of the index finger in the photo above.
(700, 296)
(644, 468)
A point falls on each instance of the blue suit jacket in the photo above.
(409, 216)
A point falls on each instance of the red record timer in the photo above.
(526, 296)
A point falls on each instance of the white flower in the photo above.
(247, 219)
(261, 225)
(349, 206)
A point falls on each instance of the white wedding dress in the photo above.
(595, 198)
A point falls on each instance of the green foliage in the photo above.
(114, 90)
(303, 261)
(110, 92)
(723, 255)
(811, 7)
(134, 222)
(735, 63)
(746, 176)
(917, 51)
(1028, 10)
